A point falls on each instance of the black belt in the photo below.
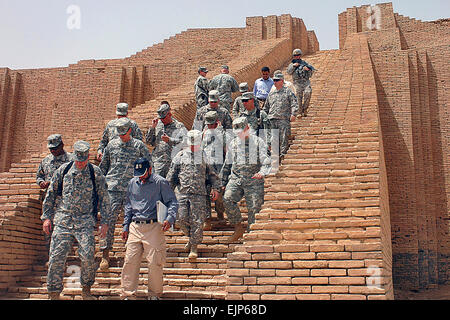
(145, 221)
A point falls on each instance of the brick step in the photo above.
(112, 279)
(114, 294)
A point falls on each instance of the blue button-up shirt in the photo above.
(141, 200)
(262, 88)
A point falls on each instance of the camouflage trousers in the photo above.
(252, 190)
(61, 244)
(117, 200)
(284, 132)
(191, 216)
(303, 92)
(161, 168)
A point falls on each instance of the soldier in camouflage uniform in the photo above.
(301, 71)
(281, 108)
(201, 88)
(246, 165)
(226, 85)
(252, 113)
(49, 165)
(110, 131)
(238, 107)
(214, 143)
(117, 165)
(53, 161)
(222, 114)
(166, 135)
(190, 172)
(74, 218)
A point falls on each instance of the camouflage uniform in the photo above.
(225, 84)
(47, 168)
(214, 145)
(74, 220)
(237, 105)
(201, 89)
(243, 160)
(110, 133)
(279, 107)
(222, 115)
(302, 84)
(118, 166)
(191, 172)
(253, 116)
(164, 152)
(49, 165)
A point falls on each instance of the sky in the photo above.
(56, 33)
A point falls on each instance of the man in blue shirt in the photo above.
(262, 86)
(142, 231)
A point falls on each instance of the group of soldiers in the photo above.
(219, 159)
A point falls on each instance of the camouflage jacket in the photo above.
(253, 118)
(201, 91)
(238, 107)
(300, 76)
(225, 84)
(214, 144)
(165, 152)
(75, 209)
(191, 171)
(118, 162)
(222, 115)
(49, 164)
(281, 104)
(110, 133)
(244, 159)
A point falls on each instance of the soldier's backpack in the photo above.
(94, 187)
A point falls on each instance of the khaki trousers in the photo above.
(148, 241)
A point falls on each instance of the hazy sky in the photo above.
(44, 33)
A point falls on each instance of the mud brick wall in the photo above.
(413, 111)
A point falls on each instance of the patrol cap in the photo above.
(81, 150)
(54, 140)
(122, 109)
(194, 138)
(202, 69)
(141, 165)
(247, 96)
(122, 125)
(213, 96)
(163, 110)
(239, 124)
(211, 117)
(297, 52)
(225, 67)
(278, 76)
(243, 87)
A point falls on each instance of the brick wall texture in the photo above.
(359, 206)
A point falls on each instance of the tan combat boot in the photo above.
(104, 264)
(193, 254)
(86, 293)
(238, 232)
(53, 295)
